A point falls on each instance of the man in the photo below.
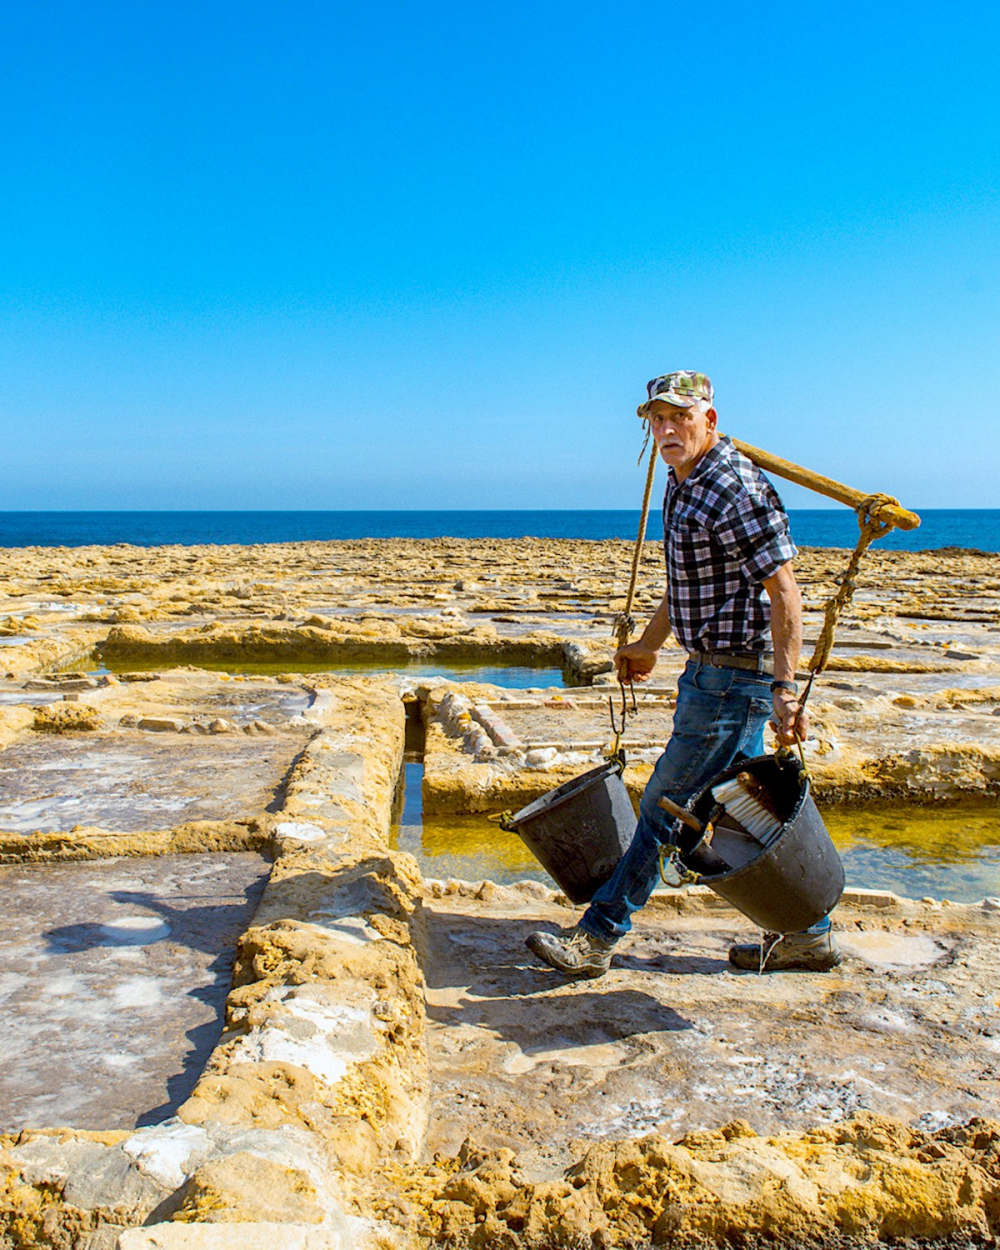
(733, 604)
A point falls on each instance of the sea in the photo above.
(976, 529)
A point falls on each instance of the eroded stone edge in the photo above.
(321, 1069)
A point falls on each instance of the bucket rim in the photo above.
(572, 788)
(746, 766)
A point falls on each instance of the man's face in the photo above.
(682, 435)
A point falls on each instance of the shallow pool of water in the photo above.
(946, 851)
(508, 676)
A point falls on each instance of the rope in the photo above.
(624, 622)
(871, 528)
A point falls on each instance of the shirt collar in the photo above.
(722, 450)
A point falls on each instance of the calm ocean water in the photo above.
(978, 528)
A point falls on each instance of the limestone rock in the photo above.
(90, 1174)
(67, 718)
(541, 758)
(161, 724)
(64, 1191)
(244, 1188)
(850, 703)
(869, 1178)
(349, 1235)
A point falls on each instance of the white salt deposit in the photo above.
(136, 930)
(163, 1150)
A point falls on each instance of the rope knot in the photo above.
(869, 510)
(623, 627)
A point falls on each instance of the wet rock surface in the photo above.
(129, 782)
(113, 982)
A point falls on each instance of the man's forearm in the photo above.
(657, 631)
(786, 622)
(786, 631)
(790, 717)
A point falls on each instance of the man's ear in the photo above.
(713, 418)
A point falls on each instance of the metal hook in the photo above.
(619, 729)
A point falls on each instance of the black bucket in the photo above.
(579, 831)
(793, 881)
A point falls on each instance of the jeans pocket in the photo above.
(713, 681)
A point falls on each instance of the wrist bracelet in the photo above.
(785, 685)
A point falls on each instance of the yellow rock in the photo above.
(61, 718)
(244, 1188)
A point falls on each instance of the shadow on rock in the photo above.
(501, 987)
(586, 1018)
(206, 929)
(672, 965)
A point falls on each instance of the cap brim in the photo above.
(668, 397)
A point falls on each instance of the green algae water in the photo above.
(946, 851)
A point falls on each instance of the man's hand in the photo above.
(635, 661)
(790, 719)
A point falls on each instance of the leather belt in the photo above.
(763, 663)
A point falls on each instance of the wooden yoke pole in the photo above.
(899, 516)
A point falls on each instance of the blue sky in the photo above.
(405, 255)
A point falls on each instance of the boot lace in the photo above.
(768, 944)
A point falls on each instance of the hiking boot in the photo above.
(575, 953)
(807, 952)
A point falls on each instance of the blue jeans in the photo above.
(719, 718)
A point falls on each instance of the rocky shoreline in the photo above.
(393, 1069)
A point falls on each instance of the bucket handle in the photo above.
(617, 757)
(672, 871)
(505, 819)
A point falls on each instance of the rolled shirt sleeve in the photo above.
(753, 531)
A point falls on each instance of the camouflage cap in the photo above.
(683, 389)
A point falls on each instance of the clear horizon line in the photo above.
(832, 507)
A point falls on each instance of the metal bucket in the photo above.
(793, 881)
(579, 831)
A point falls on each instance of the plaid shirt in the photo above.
(725, 531)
